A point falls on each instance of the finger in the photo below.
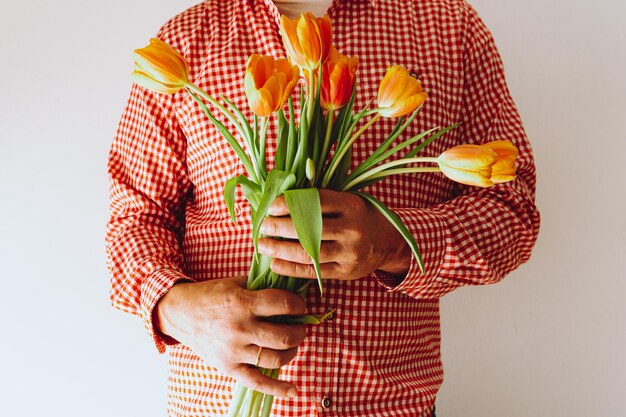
(279, 207)
(332, 202)
(278, 336)
(275, 302)
(269, 358)
(279, 227)
(250, 377)
(329, 270)
(330, 251)
(337, 202)
(332, 228)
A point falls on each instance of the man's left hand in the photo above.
(356, 240)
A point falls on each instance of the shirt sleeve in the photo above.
(481, 235)
(148, 189)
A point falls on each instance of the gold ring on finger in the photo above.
(258, 356)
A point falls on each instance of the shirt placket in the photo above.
(326, 391)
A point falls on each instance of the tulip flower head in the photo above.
(399, 93)
(479, 165)
(160, 68)
(268, 83)
(338, 77)
(506, 154)
(307, 40)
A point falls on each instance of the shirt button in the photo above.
(326, 403)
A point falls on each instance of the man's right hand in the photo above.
(223, 323)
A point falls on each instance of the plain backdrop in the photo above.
(549, 340)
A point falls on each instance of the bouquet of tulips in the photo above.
(314, 148)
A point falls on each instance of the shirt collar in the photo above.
(271, 4)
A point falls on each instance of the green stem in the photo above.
(310, 97)
(337, 158)
(269, 399)
(325, 148)
(247, 403)
(291, 145)
(262, 146)
(224, 110)
(237, 401)
(257, 398)
(370, 174)
(249, 166)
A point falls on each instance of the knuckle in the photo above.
(287, 341)
(239, 299)
(303, 257)
(276, 362)
(289, 303)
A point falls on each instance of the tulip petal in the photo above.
(146, 81)
(499, 179)
(309, 39)
(391, 83)
(325, 35)
(289, 32)
(162, 63)
(504, 168)
(471, 157)
(405, 106)
(480, 178)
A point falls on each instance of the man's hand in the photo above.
(222, 322)
(356, 240)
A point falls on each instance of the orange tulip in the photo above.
(399, 93)
(338, 77)
(504, 168)
(479, 165)
(268, 83)
(307, 40)
(160, 68)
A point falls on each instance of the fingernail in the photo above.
(291, 392)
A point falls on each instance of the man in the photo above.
(177, 260)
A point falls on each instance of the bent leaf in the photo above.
(306, 212)
(397, 223)
(276, 184)
(251, 191)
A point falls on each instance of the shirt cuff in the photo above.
(155, 287)
(430, 231)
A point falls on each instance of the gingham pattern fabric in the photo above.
(380, 356)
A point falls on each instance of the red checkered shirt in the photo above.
(380, 356)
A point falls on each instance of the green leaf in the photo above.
(306, 213)
(242, 119)
(275, 185)
(397, 223)
(228, 136)
(427, 142)
(251, 191)
(340, 174)
(229, 196)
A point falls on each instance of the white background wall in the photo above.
(549, 340)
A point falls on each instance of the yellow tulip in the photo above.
(504, 168)
(268, 83)
(160, 68)
(399, 93)
(480, 165)
(338, 77)
(307, 40)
